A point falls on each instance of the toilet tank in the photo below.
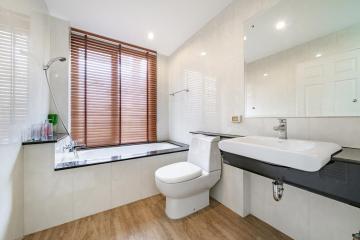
(204, 152)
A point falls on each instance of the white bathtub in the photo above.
(107, 154)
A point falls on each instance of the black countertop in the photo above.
(57, 137)
(351, 155)
(338, 180)
(83, 163)
(221, 135)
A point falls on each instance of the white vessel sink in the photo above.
(308, 156)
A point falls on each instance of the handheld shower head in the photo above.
(46, 68)
(52, 60)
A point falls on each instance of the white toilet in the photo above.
(186, 185)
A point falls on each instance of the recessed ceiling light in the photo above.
(266, 74)
(150, 35)
(318, 55)
(245, 38)
(280, 25)
(203, 53)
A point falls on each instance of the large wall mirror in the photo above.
(302, 59)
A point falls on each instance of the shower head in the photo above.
(51, 61)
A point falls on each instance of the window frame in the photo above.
(148, 55)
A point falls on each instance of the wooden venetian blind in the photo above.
(113, 91)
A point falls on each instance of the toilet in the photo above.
(186, 185)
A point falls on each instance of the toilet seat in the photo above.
(178, 172)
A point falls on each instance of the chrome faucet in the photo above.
(73, 146)
(282, 128)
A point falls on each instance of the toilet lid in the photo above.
(178, 172)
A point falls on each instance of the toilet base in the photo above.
(181, 207)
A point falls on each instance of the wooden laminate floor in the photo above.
(146, 219)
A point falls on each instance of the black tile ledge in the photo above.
(221, 135)
(57, 137)
(351, 155)
(77, 164)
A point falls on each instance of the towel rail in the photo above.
(183, 90)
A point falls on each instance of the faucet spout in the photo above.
(282, 128)
(73, 146)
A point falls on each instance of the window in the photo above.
(14, 46)
(113, 91)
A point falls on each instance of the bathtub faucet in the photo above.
(282, 128)
(73, 146)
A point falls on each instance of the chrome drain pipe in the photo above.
(278, 189)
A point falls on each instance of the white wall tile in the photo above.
(249, 126)
(268, 127)
(126, 182)
(48, 194)
(291, 215)
(298, 128)
(11, 193)
(344, 131)
(162, 99)
(333, 215)
(230, 190)
(282, 215)
(11, 173)
(59, 73)
(53, 208)
(92, 190)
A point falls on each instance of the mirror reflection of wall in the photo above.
(302, 59)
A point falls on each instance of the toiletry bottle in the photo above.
(44, 134)
(50, 129)
(36, 132)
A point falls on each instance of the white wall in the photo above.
(302, 214)
(210, 106)
(53, 197)
(59, 72)
(162, 98)
(11, 194)
(233, 190)
(216, 83)
(11, 170)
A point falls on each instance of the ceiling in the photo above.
(171, 21)
(306, 20)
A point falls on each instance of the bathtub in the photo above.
(94, 182)
(64, 160)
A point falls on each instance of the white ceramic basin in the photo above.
(308, 156)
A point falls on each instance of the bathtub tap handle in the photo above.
(73, 146)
